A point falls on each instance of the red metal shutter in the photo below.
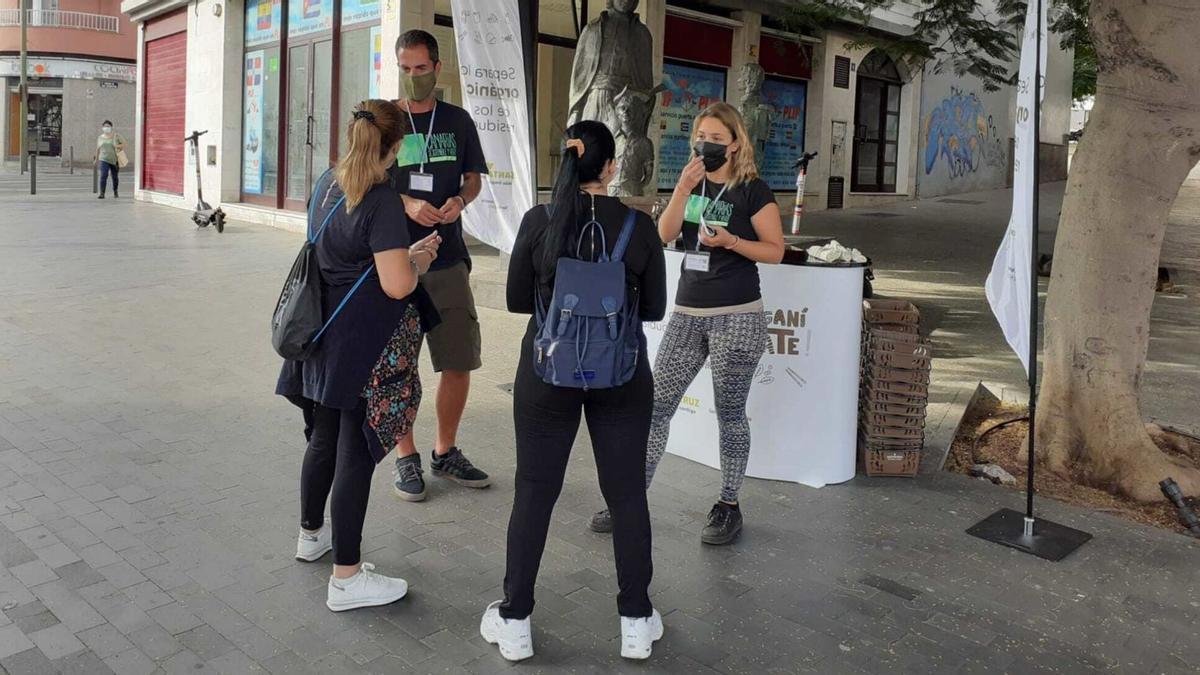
(163, 113)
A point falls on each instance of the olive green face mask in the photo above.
(418, 87)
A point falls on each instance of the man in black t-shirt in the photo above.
(438, 172)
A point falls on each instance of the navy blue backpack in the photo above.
(589, 337)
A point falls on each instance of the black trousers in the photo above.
(107, 170)
(547, 422)
(338, 465)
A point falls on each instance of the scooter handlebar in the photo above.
(195, 135)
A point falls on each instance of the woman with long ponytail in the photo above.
(547, 417)
(360, 388)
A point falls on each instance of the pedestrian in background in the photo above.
(360, 387)
(110, 151)
(729, 223)
(438, 172)
(547, 416)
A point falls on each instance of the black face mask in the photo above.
(712, 153)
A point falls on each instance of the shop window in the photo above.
(306, 17)
(785, 142)
(361, 62)
(689, 89)
(260, 99)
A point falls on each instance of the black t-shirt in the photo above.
(349, 243)
(453, 150)
(645, 268)
(731, 279)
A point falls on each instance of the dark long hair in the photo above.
(599, 148)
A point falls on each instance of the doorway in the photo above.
(45, 129)
(310, 69)
(876, 125)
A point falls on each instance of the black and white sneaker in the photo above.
(724, 524)
(409, 485)
(601, 522)
(455, 466)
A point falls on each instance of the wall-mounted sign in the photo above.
(106, 84)
(263, 21)
(75, 69)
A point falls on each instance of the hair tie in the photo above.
(576, 143)
(364, 115)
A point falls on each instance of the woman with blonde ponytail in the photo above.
(360, 388)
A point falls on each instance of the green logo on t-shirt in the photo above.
(443, 147)
(716, 214)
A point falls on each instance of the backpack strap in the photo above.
(320, 188)
(626, 235)
(342, 304)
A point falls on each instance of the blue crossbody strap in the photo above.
(322, 187)
(626, 235)
(313, 239)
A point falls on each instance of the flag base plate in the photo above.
(1049, 540)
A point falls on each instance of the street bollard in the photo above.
(33, 172)
(71, 168)
(95, 177)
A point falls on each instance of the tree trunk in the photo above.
(1142, 139)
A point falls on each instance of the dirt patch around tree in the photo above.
(1003, 444)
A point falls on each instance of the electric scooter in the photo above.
(798, 211)
(204, 215)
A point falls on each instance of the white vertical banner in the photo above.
(1008, 284)
(494, 91)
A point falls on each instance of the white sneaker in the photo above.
(310, 547)
(639, 635)
(514, 637)
(365, 589)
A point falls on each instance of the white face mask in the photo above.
(107, 130)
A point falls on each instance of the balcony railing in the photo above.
(53, 18)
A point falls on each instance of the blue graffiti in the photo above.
(960, 131)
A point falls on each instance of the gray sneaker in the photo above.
(409, 485)
(601, 522)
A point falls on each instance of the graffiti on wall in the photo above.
(961, 132)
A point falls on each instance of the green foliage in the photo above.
(958, 34)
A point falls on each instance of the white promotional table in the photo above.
(803, 405)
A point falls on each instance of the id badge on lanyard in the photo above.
(420, 181)
(699, 261)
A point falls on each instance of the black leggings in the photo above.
(338, 460)
(547, 421)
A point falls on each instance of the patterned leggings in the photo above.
(734, 344)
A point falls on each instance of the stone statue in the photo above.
(754, 108)
(635, 152)
(615, 51)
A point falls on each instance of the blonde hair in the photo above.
(376, 126)
(742, 165)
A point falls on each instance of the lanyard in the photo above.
(704, 193)
(411, 121)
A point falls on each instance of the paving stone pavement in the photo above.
(148, 511)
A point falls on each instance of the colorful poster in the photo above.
(688, 91)
(263, 21)
(785, 143)
(360, 11)
(309, 16)
(252, 124)
(376, 61)
(495, 92)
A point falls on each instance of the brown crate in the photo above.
(885, 420)
(900, 361)
(890, 443)
(882, 332)
(877, 311)
(901, 343)
(872, 393)
(901, 409)
(884, 374)
(900, 328)
(909, 389)
(892, 462)
(878, 431)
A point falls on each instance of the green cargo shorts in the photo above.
(455, 344)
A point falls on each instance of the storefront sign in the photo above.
(263, 21)
(376, 61)
(785, 143)
(252, 124)
(494, 90)
(360, 11)
(803, 404)
(688, 91)
(309, 16)
(75, 69)
(108, 85)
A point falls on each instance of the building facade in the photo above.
(81, 70)
(271, 82)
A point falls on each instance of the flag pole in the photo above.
(1042, 538)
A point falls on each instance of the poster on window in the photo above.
(252, 124)
(360, 11)
(309, 16)
(688, 90)
(785, 143)
(376, 61)
(491, 68)
(263, 21)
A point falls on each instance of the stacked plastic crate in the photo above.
(894, 390)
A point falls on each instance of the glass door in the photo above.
(310, 82)
(876, 135)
